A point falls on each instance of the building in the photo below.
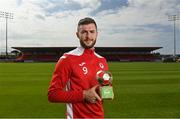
(52, 54)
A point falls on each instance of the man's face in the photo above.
(87, 35)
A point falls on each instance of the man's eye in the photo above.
(83, 32)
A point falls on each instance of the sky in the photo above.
(121, 23)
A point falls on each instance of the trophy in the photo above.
(105, 80)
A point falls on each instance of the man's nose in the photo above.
(88, 35)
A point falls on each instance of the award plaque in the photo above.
(105, 80)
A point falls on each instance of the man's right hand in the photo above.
(91, 95)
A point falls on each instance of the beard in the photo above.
(87, 46)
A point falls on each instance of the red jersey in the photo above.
(74, 72)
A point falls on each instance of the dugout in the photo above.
(52, 54)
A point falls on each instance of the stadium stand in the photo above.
(52, 54)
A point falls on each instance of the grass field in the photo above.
(141, 90)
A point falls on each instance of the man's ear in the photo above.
(77, 34)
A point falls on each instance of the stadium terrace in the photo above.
(52, 54)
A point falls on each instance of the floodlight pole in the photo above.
(6, 37)
(174, 18)
(6, 15)
(174, 38)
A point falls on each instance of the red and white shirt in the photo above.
(74, 72)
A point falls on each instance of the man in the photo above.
(74, 79)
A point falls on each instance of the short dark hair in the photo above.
(86, 20)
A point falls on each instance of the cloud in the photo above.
(120, 22)
(141, 23)
(87, 3)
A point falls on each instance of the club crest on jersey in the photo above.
(101, 65)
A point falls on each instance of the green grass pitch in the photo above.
(141, 90)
